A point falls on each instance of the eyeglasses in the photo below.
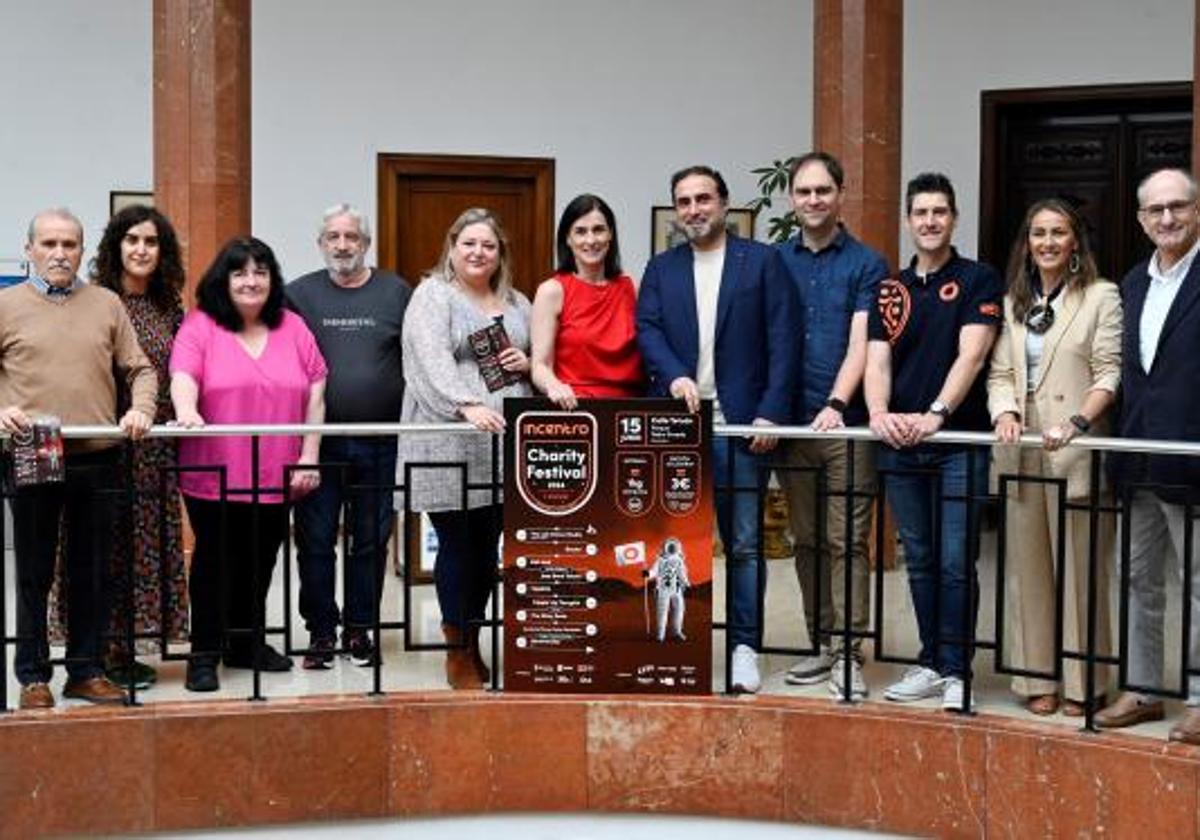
(1176, 208)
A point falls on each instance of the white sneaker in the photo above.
(837, 674)
(952, 694)
(745, 670)
(810, 670)
(917, 683)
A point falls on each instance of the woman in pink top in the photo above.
(240, 357)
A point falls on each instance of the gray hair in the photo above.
(55, 213)
(1193, 189)
(344, 209)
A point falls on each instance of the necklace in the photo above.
(1041, 316)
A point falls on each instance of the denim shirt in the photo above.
(834, 283)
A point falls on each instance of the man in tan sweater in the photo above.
(61, 341)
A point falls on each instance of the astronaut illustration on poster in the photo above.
(670, 577)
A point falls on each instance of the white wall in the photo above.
(620, 93)
(953, 50)
(75, 83)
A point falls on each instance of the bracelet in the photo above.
(1081, 423)
(836, 404)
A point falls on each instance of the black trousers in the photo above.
(85, 502)
(231, 571)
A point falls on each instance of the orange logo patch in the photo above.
(895, 306)
(991, 310)
(949, 291)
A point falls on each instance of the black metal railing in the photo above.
(860, 443)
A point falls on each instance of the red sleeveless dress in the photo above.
(596, 349)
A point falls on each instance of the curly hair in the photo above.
(106, 268)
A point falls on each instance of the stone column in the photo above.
(858, 67)
(202, 123)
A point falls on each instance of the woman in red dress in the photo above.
(583, 336)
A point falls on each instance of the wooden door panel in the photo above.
(1090, 145)
(420, 196)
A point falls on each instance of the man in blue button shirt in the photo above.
(837, 278)
(929, 338)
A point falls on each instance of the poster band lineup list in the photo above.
(608, 522)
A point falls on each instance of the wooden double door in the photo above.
(1089, 145)
(419, 196)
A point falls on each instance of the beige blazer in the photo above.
(1082, 351)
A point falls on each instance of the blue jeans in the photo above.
(365, 480)
(945, 596)
(738, 522)
(465, 571)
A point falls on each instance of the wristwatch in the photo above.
(1081, 423)
(940, 409)
(836, 404)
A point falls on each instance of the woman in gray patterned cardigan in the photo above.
(466, 346)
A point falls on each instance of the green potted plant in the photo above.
(772, 185)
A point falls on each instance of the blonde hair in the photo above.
(501, 281)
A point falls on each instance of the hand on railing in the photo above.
(828, 418)
(483, 418)
(1008, 428)
(188, 419)
(135, 424)
(763, 443)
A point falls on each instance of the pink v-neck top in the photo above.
(237, 388)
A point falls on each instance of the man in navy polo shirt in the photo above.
(838, 281)
(929, 339)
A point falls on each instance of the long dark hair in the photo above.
(581, 205)
(106, 268)
(1021, 269)
(212, 295)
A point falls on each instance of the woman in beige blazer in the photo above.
(1054, 372)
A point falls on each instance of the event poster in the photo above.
(608, 524)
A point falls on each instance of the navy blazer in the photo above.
(1163, 404)
(757, 346)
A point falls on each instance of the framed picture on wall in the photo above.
(665, 232)
(118, 200)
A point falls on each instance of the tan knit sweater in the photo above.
(57, 357)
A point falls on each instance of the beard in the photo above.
(702, 232)
(345, 266)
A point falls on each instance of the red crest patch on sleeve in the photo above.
(991, 310)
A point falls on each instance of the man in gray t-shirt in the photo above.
(356, 314)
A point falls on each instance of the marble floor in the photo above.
(548, 827)
(422, 670)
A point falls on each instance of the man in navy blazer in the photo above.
(717, 319)
(1159, 370)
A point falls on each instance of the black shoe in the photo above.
(267, 659)
(202, 675)
(362, 650)
(139, 673)
(320, 652)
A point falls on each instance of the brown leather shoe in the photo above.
(36, 696)
(1077, 708)
(95, 690)
(1129, 709)
(460, 665)
(1042, 704)
(1188, 729)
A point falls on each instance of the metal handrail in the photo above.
(1089, 442)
